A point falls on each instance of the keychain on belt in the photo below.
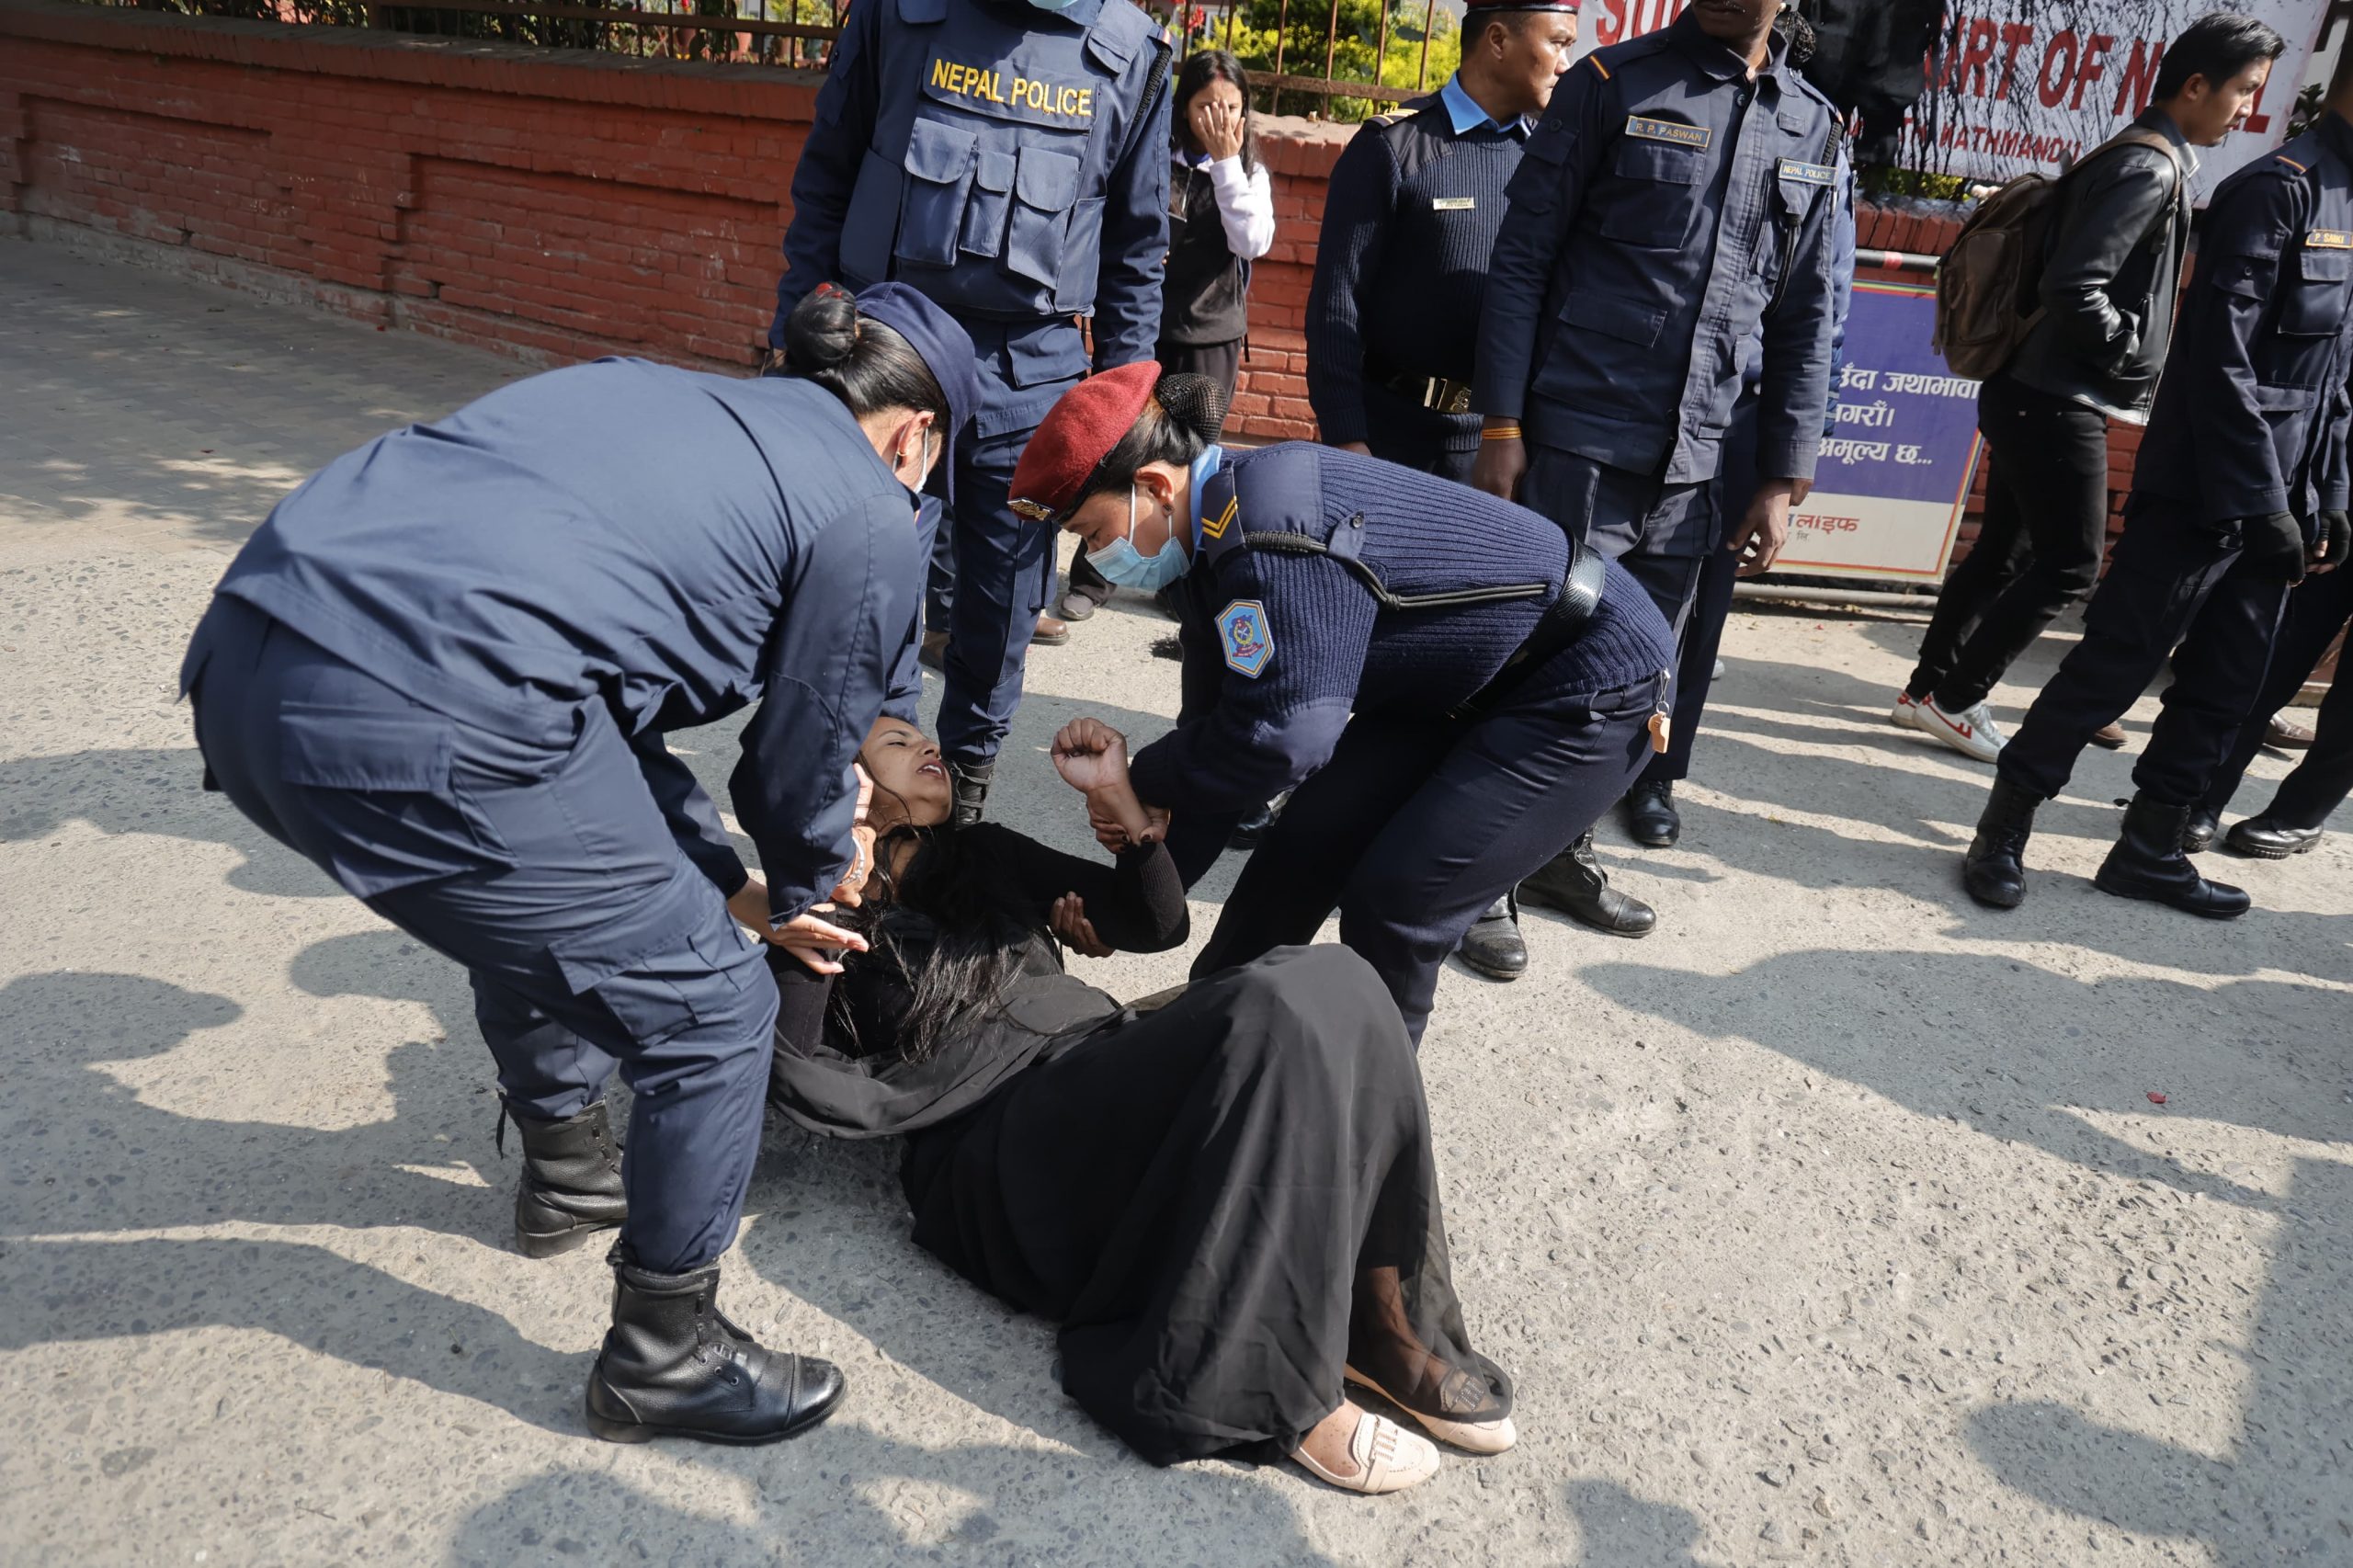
(1660, 724)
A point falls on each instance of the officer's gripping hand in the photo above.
(2274, 547)
(1765, 530)
(815, 941)
(1069, 923)
(2335, 540)
(1502, 464)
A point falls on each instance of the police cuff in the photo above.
(729, 877)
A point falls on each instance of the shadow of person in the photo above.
(154, 789)
(1621, 1530)
(2279, 1491)
(846, 1495)
(96, 1157)
(2244, 1052)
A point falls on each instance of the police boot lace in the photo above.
(1995, 869)
(1574, 882)
(572, 1180)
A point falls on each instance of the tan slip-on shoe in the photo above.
(1471, 1437)
(1388, 1459)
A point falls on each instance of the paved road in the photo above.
(1833, 1223)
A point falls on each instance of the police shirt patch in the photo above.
(2328, 239)
(1001, 89)
(1809, 174)
(1241, 633)
(1672, 130)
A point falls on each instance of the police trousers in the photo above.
(1417, 826)
(2317, 611)
(2171, 581)
(592, 942)
(1658, 531)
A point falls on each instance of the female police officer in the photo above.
(442, 670)
(1469, 690)
(1010, 159)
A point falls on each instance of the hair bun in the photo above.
(1195, 402)
(822, 331)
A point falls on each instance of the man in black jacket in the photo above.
(2109, 279)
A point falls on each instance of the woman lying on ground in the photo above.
(1227, 1201)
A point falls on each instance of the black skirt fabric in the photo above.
(1223, 1203)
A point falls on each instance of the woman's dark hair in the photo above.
(1179, 421)
(856, 359)
(1202, 67)
(944, 930)
(2217, 46)
(1803, 42)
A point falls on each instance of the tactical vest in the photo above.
(983, 185)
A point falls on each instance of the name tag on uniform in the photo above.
(1241, 633)
(1001, 90)
(1809, 174)
(2328, 239)
(1672, 130)
(1452, 203)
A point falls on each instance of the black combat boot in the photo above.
(1574, 882)
(1652, 820)
(2147, 862)
(2265, 837)
(972, 782)
(572, 1180)
(673, 1366)
(1995, 869)
(2198, 836)
(1494, 946)
(1252, 827)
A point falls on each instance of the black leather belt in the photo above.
(1434, 392)
(1564, 619)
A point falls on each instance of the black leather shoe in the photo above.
(1493, 944)
(2197, 834)
(2147, 863)
(972, 784)
(1993, 871)
(572, 1180)
(931, 653)
(674, 1367)
(1650, 812)
(1574, 882)
(1250, 828)
(1083, 592)
(2261, 838)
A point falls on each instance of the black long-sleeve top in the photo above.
(852, 1083)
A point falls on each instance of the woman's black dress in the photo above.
(1221, 1200)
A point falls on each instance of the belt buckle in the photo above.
(1458, 399)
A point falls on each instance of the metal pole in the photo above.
(1282, 33)
(1429, 14)
(1331, 43)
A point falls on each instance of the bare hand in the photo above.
(1500, 468)
(1091, 755)
(1116, 830)
(815, 941)
(1216, 127)
(1766, 529)
(1077, 932)
(1361, 448)
(750, 906)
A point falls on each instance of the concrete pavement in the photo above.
(1833, 1223)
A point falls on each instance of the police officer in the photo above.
(1454, 687)
(1009, 159)
(1409, 223)
(1674, 203)
(443, 670)
(2244, 458)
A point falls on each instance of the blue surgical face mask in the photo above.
(1123, 564)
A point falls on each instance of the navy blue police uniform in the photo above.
(2250, 421)
(1012, 163)
(1453, 689)
(1401, 268)
(443, 670)
(2317, 613)
(1667, 209)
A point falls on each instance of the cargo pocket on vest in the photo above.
(1653, 209)
(940, 182)
(2314, 306)
(650, 962)
(1043, 189)
(384, 809)
(985, 214)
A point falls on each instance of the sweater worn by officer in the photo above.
(1280, 647)
(1668, 207)
(1401, 270)
(1010, 162)
(523, 557)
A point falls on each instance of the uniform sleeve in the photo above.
(2248, 232)
(1545, 195)
(1246, 207)
(2336, 467)
(1263, 734)
(1798, 330)
(1135, 234)
(827, 171)
(693, 820)
(828, 668)
(2121, 197)
(1357, 207)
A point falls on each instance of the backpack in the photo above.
(1987, 282)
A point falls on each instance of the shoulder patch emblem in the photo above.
(1215, 527)
(1672, 130)
(2328, 239)
(1242, 635)
(1822, 174)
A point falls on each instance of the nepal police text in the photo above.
(996, 86)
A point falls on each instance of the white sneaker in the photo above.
(1971, 731)
(1388, 1458)
(1905, 714)
(1718, 673)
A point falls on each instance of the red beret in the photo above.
(1089, 420)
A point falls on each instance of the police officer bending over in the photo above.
(443, 670)
(1675, 201)
(1409, 225)
(2241, 484)
(1454, 688)
(1009, 158)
